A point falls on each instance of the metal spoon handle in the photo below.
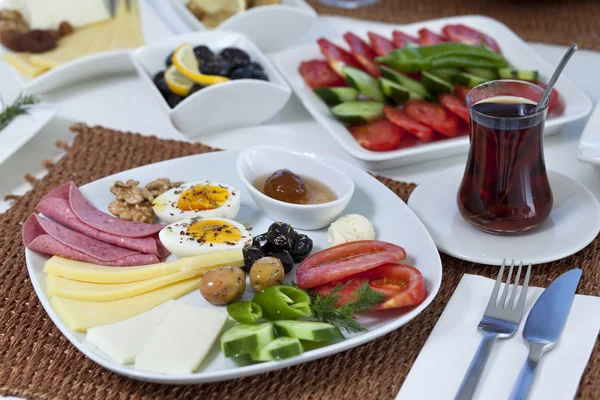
(561, 65)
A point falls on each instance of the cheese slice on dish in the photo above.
(86, 272)
(20, 61)
(81, 315)
(127, 30)
(182, 340)
(123, 341)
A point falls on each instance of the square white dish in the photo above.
(228, 105)
(272, 28)
(589, 143)
(372, 199)
(577, 103)
(95, 65)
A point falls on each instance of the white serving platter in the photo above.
(272, 28)
(391, 217)
(95, 65)
(589, 144)
(577, 103)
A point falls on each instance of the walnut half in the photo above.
(139, 213)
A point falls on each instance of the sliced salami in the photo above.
(49, 237)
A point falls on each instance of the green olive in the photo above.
(265, 272)
(223, 285)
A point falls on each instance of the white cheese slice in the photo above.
(182, 341)
(124, 340)
(48, 14)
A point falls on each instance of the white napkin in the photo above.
(443, 361)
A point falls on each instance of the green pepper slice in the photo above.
(245, 312)
(283, 302)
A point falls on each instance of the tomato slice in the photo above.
(318, 74)
(337, 57)
(401, 38)
(463, 34)
(553, 97)
(399, 117)
(426, 37)
(433, 115)
(461, 92)
(381, 46)
(402, 285)
(456, 105)
(341, 261)
(378, 135)
(363, 54)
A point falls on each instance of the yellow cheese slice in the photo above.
(86, 272)
(20, 61)
(128, 31)
(81, 315)
(102, 43)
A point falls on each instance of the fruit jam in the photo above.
(505, 188)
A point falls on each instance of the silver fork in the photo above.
(500, 321)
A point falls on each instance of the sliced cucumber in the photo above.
(469, 80)
(283, 347)
(308, 345)
(358, 112)
(435, 83)
(488, 74)
(409, 83)
(363, 82)
(243, 339)
(336, 95)
(447, 74)
(510, 73)
(396, 93)
(309, 330)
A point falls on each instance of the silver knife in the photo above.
(544, 325)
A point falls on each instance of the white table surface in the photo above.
(116, 104)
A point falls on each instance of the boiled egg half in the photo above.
(197, 199)
(196, 235)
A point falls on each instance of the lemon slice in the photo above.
(177, 83)
(186, 63)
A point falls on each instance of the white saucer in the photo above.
(573, 223)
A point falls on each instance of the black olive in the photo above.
(216, 66)
(284, 256)
(237, 57)
(241, 73)
(203, 54)
(259, 75)
(303, 245)
(255, 66)
(281, 235)
(260, 241)
(251, 254)
(173, 100)
(161, 84)
(195, 88)
(169, 60)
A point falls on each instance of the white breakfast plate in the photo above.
(573, 223)
(589, 143)
(577, 103)
(272, 28)
(229, 105)
(95, 65)
(392, 219)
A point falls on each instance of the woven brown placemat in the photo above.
(550, 21)
(37, 361)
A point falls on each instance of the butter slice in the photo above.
(86, 272)
(20, 61)
(182, 340)
(81, 315)
(77, 290)
(123, 341)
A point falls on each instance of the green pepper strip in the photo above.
(418, 65)
(283, 302)
(245, 312)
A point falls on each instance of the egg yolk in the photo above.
(199, 198)
(214, 231)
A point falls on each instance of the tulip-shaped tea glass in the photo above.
(505, 188)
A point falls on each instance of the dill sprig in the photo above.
(20, 106)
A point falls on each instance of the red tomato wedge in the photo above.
(433, 115)
(381, 46)
(401, 38)
(337, 57)
(461, 92)
(553, 96)
(363, 54)
(401, 284)
(318, 74)
(399, 117)
(426, 37)
(378, 135)
(456, 105)
(344, 260)
(463, 34)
